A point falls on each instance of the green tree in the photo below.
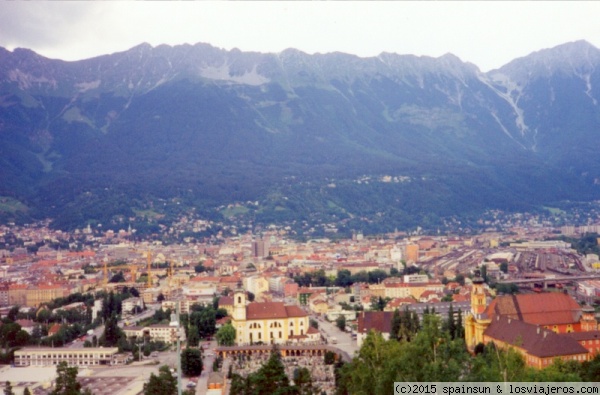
(117, 278)
(504, 267)
(163, 384)
(112, 333)
(192, 337)
(344, 278)
(329, 358)
(199, 268)
(590, 370)
(395, 326)
(226, 335)
(191, 362)
(26, 391)
(12, 313)
(206, 322)
(239, 385)
(8, 390)
(303, 383)
(497, 364)
(66, 381)
(340, 322)
(270, 379)
(378, 303)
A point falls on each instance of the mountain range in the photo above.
(394, 141)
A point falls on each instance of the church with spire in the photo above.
(269, 322)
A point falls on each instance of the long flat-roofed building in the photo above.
(47, 356)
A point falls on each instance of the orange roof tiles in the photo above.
(540, 309)
(272, 310)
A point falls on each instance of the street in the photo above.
(344, 339)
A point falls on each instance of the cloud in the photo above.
(42, 25)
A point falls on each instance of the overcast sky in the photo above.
(488, 33)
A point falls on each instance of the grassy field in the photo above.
(233, 211)
(10, 205)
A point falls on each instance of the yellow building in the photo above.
(539, 326)
(44, 293)
(477, 320)
(271, 322)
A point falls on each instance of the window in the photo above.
(280, 334)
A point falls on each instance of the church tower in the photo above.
(239, 305)
(477, 320)
(478, 302)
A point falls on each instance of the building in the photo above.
(539, 346)
(4, 301)
(378, 321)
(129, 304)
(411, 253)
(539, 326)
(163, 333)
(226, 302)
(256, 284)
(46, 356)
(184, 305)
(270, 322)
(43, 293)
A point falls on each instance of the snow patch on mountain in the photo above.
(86, 86)
(223, 73)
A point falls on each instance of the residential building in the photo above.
(163, 333)
(129, 304)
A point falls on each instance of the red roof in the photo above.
(536, 341)
(272, 310)
(539, 309)
(380, 321)
(226, 301)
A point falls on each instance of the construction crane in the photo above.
(149, 261)
(170, 274)
(105, 272)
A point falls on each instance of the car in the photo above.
(191, 384)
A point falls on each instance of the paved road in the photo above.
(208, 359)
(344, 339)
